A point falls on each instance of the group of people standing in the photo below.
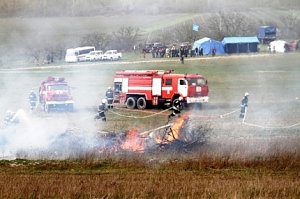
(160, 52)
(198, 52)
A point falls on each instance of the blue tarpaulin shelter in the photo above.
(240, 44)
(207, 45)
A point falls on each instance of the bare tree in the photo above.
(180, 33)
(291, 25)
(125, 38)
(40, 51)
(99, 40)
(185, 33)
(230, 24)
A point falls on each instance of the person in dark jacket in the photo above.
(244, 106)
(181, 55)
(32, 100)
(201, 51)
(176, 108)
(101, 111)
(110, 97)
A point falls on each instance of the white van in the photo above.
(94, 55)
(112, 55)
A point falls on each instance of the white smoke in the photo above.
(32, 136)
(42, 135)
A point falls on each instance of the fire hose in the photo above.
(260, 126)
(139, 117)
(154, 114)
(217, 116)
(271, 127)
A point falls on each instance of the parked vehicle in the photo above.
(143, 88)
(94, 55)
(112, 55)
(267, 34)
(55, 94)
(78, 54)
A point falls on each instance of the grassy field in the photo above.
(199, 176)
(258, 159)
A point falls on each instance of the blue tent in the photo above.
(207, 45)
(240, 44)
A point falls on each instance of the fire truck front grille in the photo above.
(59, 98)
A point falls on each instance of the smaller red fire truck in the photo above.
(55, 94)
(144, 88)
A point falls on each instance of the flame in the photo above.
(174, 132)
(133, 142)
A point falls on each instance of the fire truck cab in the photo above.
(143, 88)
(55, 94)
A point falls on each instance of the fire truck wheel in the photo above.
(131, 102)
(141, 103)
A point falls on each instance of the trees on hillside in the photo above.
(230, 24)
(125, 38)
(46, 8)
(99, 40)
(291, 24)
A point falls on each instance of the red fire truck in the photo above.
(143, 88)
(55, 94)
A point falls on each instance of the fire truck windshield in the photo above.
(60, 87)
(197, 81)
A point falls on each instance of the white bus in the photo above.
(78, 54)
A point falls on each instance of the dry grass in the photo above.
(152, 184)
(137, 176)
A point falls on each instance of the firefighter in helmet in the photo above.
(244, 105)
(110, 97)
(176, 108)
(32, 100)
(101, 111)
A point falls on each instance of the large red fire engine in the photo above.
(55, 93)
(140, 88)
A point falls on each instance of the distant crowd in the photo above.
(174, 51)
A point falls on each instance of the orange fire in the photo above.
(133, 142)
(174, 131)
